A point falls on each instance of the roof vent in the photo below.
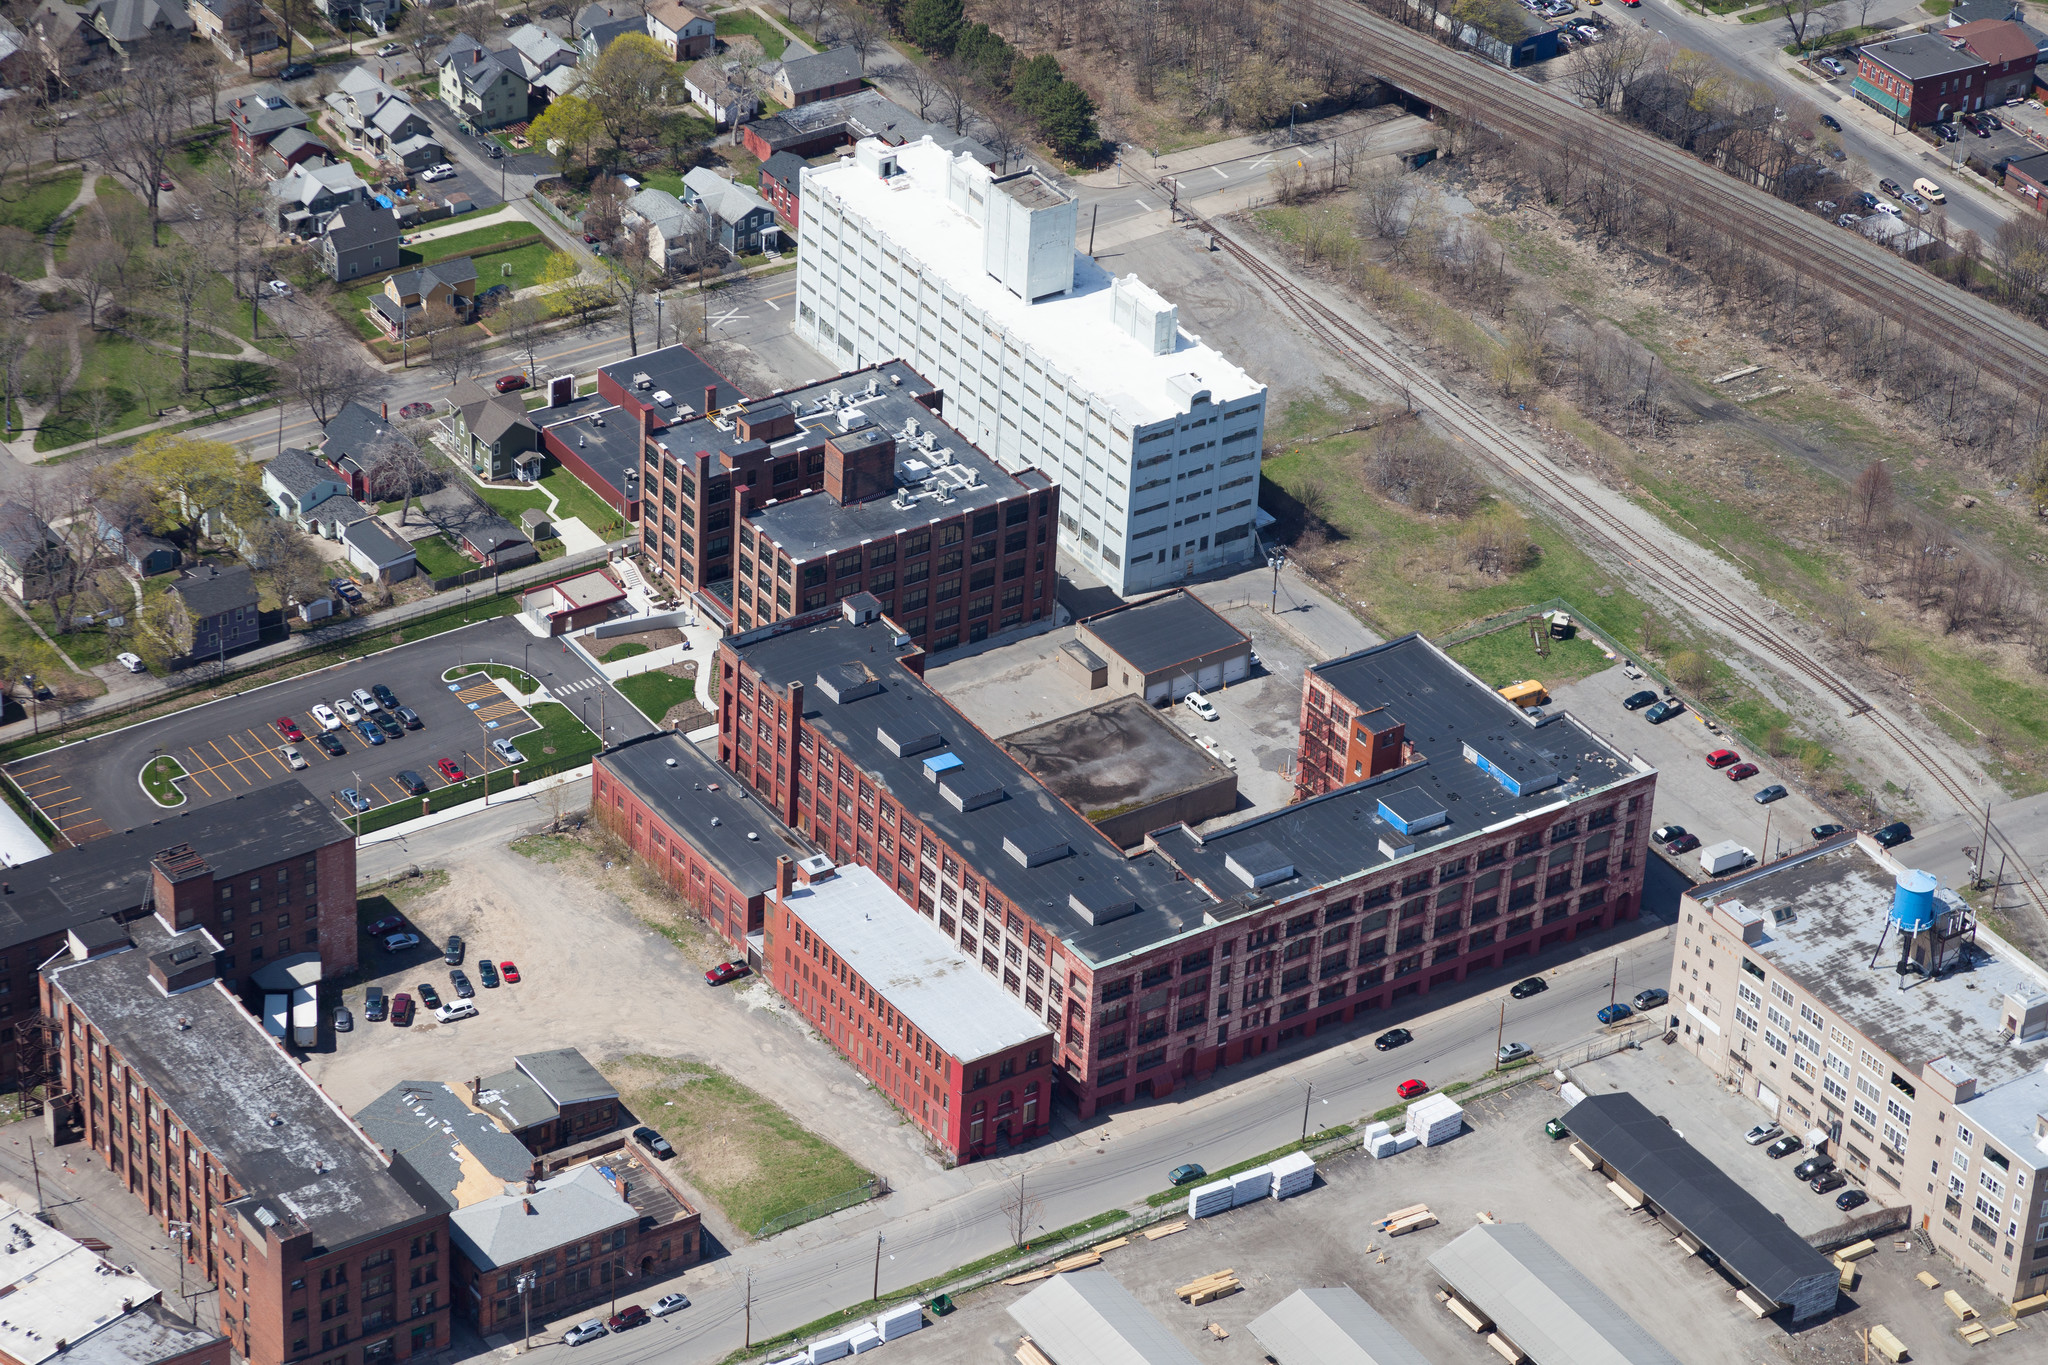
(1103, 906)
(817, 865)
(907, 736)
(753, 837)
(1411, 810)
(965, 791)
(671, 762)
(1034, 844)
(845, 683)
(1259, 864)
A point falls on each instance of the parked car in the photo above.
(1762, 1133)
(1651, 998)
(1831, 1180)
(1820, 832)
(1663, 711)
(289, 728)
(1684, 843)
(349, 711)
(1614, 1014)
(1514, 1052)
(1866, 199)
(1765, 795)
(295, 71)
(1930, 191)
(293, 759)
(1636, 701)
(325, 715)
(1185, 1174)
(1528, 986)
(132, 662)
(389, 724)
(364, 700)
(717, 976)
(370, 733)
(344, 1022)
(505, 750)
(632, 1315)
(409, 717)
(429, 997)
(347, 588)
(401, 1010)
(1664, 834)
(1851, 1199)
(1784, 1146)
(448, 769)
(511, 383)
(1721, 758)
(375, 1006)
(1890, 210)
(654, 1142)
(1829, 120)
(1891, 187)
(670, 1303)
(451, 953)
(1393, 1038)
(1915, 202)
(1818, 1164)
(582, 1332)
(385, 696)
(1200, 705)
(1409, 1089)
(1849, 220)
(439, 171)
(390, 924)
(330, 745)
(389, 50)
(1742, 770)
(508, 970)
(460, 980)
(1893, 834)
(487, 970)
(354, 800)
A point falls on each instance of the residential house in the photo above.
(358, 95)
(290, 149)
(488, 89)
(539, 51)
(683, 32)
(825, 126)
(222, 604)
(73, 54)
(148, 556)
(493, 429)
(130, 22)
(255, 121)
(411, 295)
(496, 543)
(239, 28)
(375, 15)
(782, 179)
(819, 76)
(299, 485)
(603, 25)
(360, 240)
(21, 69)
(376, 552)
(31, 554)
(1931, 77)
(717, 85)
(740, 218)
(394, 122)
(311, 194)
(350, 441)
(677, 235)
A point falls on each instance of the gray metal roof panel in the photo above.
(1540, 1301)
(1331, 1327)
(1086, 1318)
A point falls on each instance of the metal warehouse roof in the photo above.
(1540, 1302)
(1331, 1327)
(1688, 1189)
(1087, 1318)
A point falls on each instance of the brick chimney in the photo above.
(785, 877)
(711, 398)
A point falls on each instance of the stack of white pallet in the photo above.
(1379, 1140)
(1292, 1174)
(863, 1338)
(830, 1348)
(1249, 1186)
(900, 1321)
(1213, 1198)
(1435, 1119)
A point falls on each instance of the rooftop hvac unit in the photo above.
(643, 380)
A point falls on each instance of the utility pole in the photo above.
(1768, 813)
(876, 1295)
(1984, 844)
(37, 1168)
(1093, 213)
(1500, 1034)
(1998, 890)
(1306, 1101)
(750, 1309)
(1613, 984)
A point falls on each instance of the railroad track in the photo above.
(2013, 351)
(1543, 484)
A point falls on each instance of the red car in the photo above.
(386, 927)
(509, 972)
(1740, 771)
(401, 1010)
(446, 767)
(1721, 758)
(632, 1315)
(511, 382)
(289, 728)
(163, 182)
(1407, 1090)
(726, 971)
(417, 410)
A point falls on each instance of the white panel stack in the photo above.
(900, 1321)
(1570, 1093)
(1406, 1140)
(1292, 1174)
(864, 1338)
(1384, 1145)
(1249, 1186)
(830, 1348)
(1434, 1119)
(1212, 1198)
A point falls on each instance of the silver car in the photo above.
(589, 1330)
(1514, 1052)
(503, 748)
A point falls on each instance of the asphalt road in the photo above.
(232, 746)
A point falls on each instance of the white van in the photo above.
(1929, 191)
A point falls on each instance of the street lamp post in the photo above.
(657, 319)
(525, 1286)
(1276, 562)
(1290, 121)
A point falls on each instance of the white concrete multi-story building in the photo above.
(1046, 360)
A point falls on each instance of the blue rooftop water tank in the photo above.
(1913, 901)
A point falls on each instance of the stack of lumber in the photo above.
(1886, 1344)
(1414, 1218)
(1933, 1283)
(1292, 1174)
(1435, 1119)
(1080, 1260)
(1209, 1287)
(1958, 1305)
(1856, 1251)
(1165, 1230)
(2022, 1307)
(1975, 1333)
(1248, 1187)
(1029, 1354)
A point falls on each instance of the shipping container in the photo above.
(305, 1018)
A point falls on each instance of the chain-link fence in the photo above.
(845, 1199)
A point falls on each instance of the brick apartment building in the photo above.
(270, 876)
(1200, 950)
(1852, 997)
(850, 485)
(318, 1251)
(1931, 77)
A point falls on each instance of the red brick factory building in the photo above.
(1499, 836)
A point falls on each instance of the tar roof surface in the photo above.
(677, 369)
(240, 1093)
(682, 796)
(1094, 869)
(1840, 898)
(1113, 755)
(1541, 1302)
(427, 1124)
(607, 439)
(1753, 1242)
(924, 976)
(566, 1075)
(1170, 629)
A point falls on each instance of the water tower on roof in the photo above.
(1932, 925)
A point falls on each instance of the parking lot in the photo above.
(234, 745)
(1689, 793)
(1505, 1166)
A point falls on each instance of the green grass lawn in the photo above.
(748, 1155)
(663, 180)
(438, 557)
(628, 650)
(562, 742)
(1508, 656)
(656, 692)
(733, 25)
(465, 243)
(573, 498)
(34, 207)
(140, 380)
(159, 780)
(524, 263)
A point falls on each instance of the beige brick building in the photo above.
(1856, 1001)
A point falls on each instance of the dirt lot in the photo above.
(1505, 1165)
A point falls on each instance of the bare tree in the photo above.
(1871, 500)
(398, 470)
(420, 31)
(452, 346)
(1004, 136)
(328, 372)
(136, 122)
(182, 277)
(956, 86)
(862, 31)
(922, 86)
(234, 201)
(94, 268)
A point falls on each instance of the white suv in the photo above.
(443, 171)
(455, 1009)
(364, 699)
(1200, 705)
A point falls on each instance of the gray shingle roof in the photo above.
(459, 271)
(209, 589)
(834, 66)
(566, 1076)
(354, 433)
(577, 1204)
(297, 472)
(370, 536)
(23, 536)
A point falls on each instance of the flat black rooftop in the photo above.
(677, 369)
(110, 875)
(1757, 1245)
(306, 1168)
(1452, 720)
(1112, 757)
(689, 791)
(1173, 628)
(1034, 848)
(604, 437)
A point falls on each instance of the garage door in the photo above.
(1211, 678)
(1237, 668)
(1183, 683)
(1157, 694)
(1768, 1100)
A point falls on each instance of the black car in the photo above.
(330, 745)
(297, 71)
(1528, 986)
(1651, 998)
(1663, 711)
(460, 980)
(409, 717)
(515, 19)
(384, 696)
(1829, 120)
(429, 997)
(1784, 1146)
(388, 723)
(452, 954)
(1865, 199)
(1636, 701)
(654, 1142)
(1664, 834)
(412, 782)
(1851, 1199)
(1820, 832)
(1814, 1166)
(1830, 1180)
(375, 1007)
(1895, 833)
(488, 970)
(1393, 1038)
